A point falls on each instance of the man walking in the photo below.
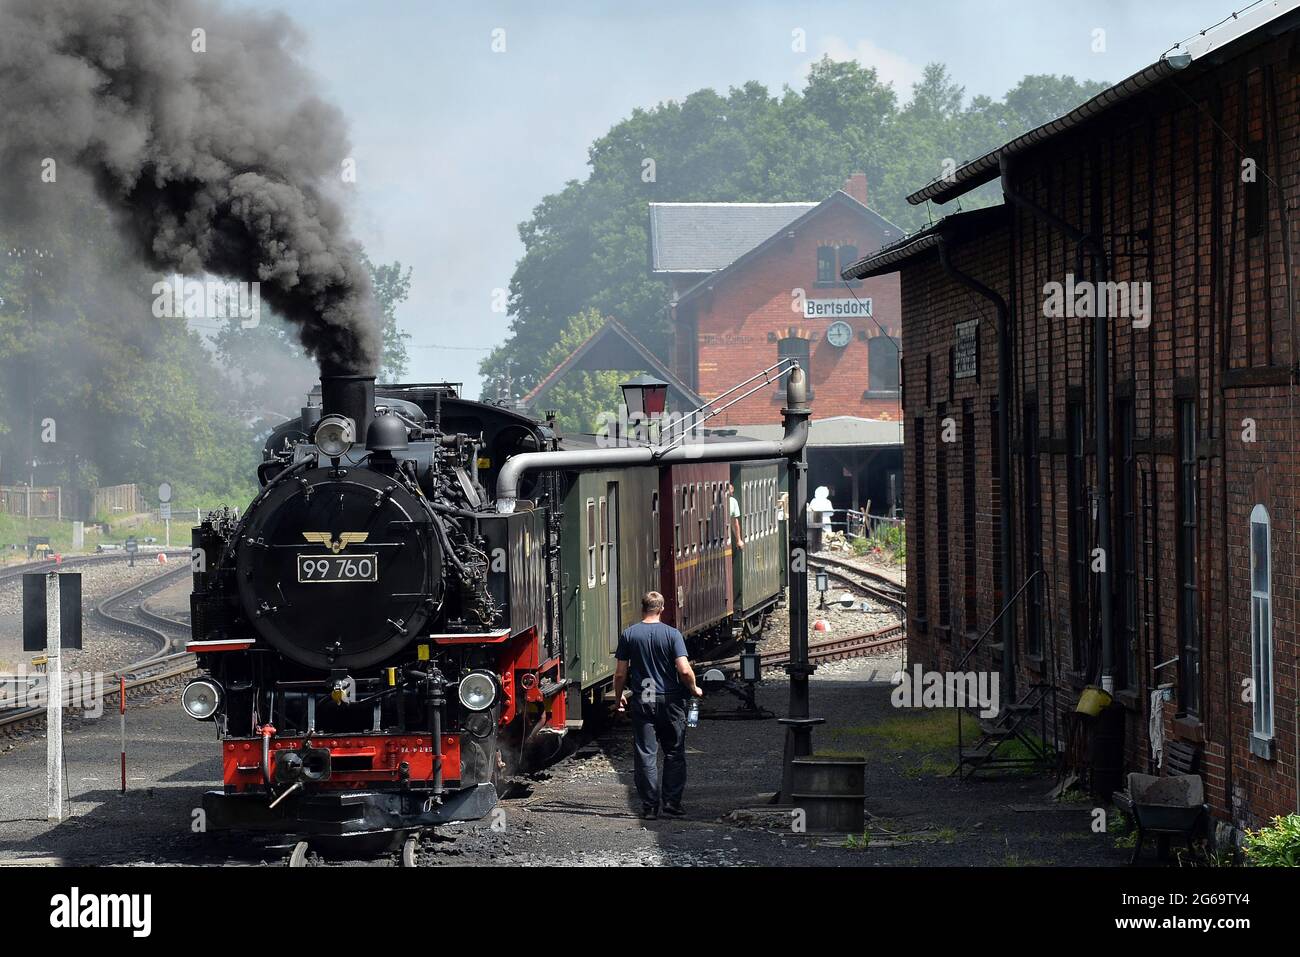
(653, 655)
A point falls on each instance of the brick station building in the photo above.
(753, 283)
(1184, 176)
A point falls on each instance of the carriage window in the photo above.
(700, 514)
(604, 542)
(719, 511)
(744, 510)
(694, 515)
(677, 526)
(709, 514)
(591, 543)
(767, 506)
(654, 525)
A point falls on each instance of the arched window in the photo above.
(826, 266)
(848, 256)
(882, 365)
(1261, 630)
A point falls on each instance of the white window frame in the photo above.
(1261, 642)
(604, 540)
(592, 533)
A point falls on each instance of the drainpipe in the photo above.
(1007, 624)
(790, 444)
(1101, 403)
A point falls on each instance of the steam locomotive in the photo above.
(381, 642)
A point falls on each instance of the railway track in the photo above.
(125, 611)
(14, 573)
(837, 649)
(871, 583)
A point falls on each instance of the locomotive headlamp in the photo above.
(201, 698)
(478, 690)
(334, 434)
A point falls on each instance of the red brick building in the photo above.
(755, 282)
(1185, 176)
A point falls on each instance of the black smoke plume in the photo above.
(221, 161)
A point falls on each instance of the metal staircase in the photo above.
(1024, 720)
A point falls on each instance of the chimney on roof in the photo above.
(856, 186)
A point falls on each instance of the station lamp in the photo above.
(645, 395)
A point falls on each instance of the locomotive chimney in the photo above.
(350, 395)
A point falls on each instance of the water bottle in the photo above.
(693, 713)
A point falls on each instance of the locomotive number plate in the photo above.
(338, 568)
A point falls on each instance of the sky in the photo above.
(456, 143)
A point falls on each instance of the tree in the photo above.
(582, 397)
(585, 246)
(391, 289)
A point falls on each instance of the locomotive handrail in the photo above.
(795, 416)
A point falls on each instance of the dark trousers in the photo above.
(660, 723)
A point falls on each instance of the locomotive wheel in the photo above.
(299, 856)
(409, 847)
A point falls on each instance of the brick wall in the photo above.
(1161, 182)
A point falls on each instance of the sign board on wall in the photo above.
(965, 352)
(836, 308)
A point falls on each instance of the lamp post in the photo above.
(645, 397)
(823, 583)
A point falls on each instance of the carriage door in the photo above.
(613, 594)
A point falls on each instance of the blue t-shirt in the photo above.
(651, 651)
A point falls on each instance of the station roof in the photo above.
(955, 227)
(836, 431)
(1252, 25)
(705, 237)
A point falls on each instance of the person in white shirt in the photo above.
(733, 509)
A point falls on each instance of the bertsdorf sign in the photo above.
(836, 308)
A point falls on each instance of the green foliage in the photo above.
(1277, 845)
(585, 246)
(96, 389)
(1122, 832)
(392, 288)
(858, 842)
(889, 542)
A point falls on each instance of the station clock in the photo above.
(840, 334)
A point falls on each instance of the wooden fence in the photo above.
(28, 502)
(116, 500)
